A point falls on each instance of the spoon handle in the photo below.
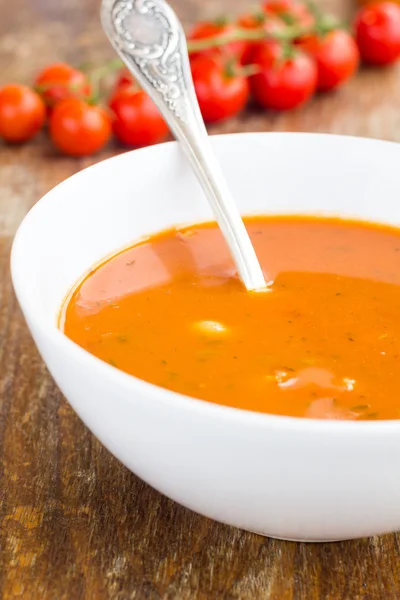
(150, 40)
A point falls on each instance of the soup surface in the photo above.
(323, 343)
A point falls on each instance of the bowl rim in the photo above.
(176, 399)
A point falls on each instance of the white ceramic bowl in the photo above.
(283, 477)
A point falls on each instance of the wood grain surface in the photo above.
(74, 523)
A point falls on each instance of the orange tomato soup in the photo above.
(323, 343)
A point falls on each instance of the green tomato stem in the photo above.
(248, 35)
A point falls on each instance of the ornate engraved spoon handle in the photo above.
(150, 40)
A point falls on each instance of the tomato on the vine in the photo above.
(269, 24)
(59, 81)
(377, 31)
(336, 55)
(206, 30)
(281, 54)
(221, 90)
(261, 20)
(22, 113)
(78, 128)
(137, 121)
(286, 79)
(278, 6)
(291, 12)
(124, 78)
(299, 15)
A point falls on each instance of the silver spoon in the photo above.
(149, 38)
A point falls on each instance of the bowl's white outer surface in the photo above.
(289, 478)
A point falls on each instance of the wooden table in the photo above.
(74, 523)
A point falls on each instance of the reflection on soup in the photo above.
(323, 343)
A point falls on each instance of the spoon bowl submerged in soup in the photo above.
(323, 342)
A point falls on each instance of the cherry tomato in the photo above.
(377, 30)
(137, 120)
(220, 92)
(252, 20)
(278, 6)
(22, 113)
(124, 78)
(283, 83)
(300, 15)
(78, 128)
(291, 12)
(207, 30)
(336, 55)
(59, 81)
(125, 81)
(261, 21)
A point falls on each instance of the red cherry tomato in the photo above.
(22, 113)
(377, 30)
(278, 6)
(59, 81)
(283, 83)
(258, 21)
(336, 55)
(221, 94)
(291, 12)
(123, 81)
(261, 20)
(124, 78)
(252, 20)
(78, 128)
(137, 120)
(207, 30)
(300, 15)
